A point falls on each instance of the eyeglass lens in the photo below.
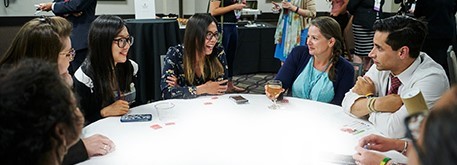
(122, 42)
(210, 35)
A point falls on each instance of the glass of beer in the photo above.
(274, 88)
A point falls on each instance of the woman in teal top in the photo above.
(317, 71)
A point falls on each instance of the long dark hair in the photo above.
(33, 100)
(331, 29)
(39, 38)
(194, 41)
(107, 76)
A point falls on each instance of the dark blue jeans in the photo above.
(230, 43)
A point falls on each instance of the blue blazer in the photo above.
(81, 24)
(297, 61)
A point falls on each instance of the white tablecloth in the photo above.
(215, 130)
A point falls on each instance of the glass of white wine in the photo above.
(274, 88)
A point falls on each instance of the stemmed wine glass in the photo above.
(274, 88)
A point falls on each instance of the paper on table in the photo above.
(145, 9)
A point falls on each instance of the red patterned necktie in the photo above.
(395, 83)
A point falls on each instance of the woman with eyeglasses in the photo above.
(46, 38)
(199, 66)
(104, 82)
(432, 137)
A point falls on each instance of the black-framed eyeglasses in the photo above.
(122, 42)
(210, 35)
(70, 54)
(413, 124)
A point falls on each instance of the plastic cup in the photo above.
(165, 112)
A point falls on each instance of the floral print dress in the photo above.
(173, 65)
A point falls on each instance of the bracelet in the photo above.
(370, 104)
(385, 160)
(369, 95)
(296, 11)
(405, 148)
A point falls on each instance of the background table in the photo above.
(216, 130)
(255, 52)
(152, 39)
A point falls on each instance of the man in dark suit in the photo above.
(81, 13)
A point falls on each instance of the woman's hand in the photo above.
(98, 145)
(118, 108)
(213, 87)
(287, 5)
(172, 81)
(271, 97)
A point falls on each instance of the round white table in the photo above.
(215, 130)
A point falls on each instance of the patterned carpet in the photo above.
(253, 83)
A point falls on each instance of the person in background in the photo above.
(341, 15)
(80, 13)
(225, 15)
(339, 12)
(293, 24)
(48, 38)
(440, 18)
(365, 13)
(318, 71)
(40, 119)
(104, 82)
(199, 66)
(399, 67)
(433, 137)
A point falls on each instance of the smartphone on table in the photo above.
(239, 99)
(136, 117)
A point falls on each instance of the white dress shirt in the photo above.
(424, 74)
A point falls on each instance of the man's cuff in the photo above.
(52, 6)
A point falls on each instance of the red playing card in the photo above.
(156, 126)
(215, 97)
